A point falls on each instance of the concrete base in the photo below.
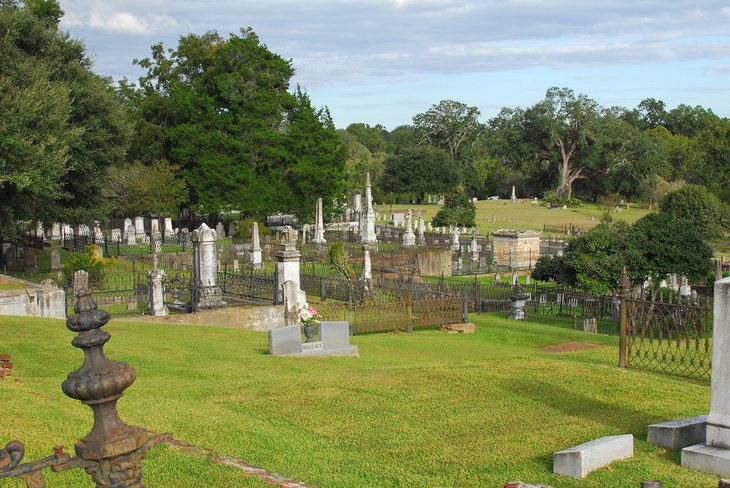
(677, 434)
(578, 461)
(464, 328)
(707, 459)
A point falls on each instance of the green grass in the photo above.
(421, 410)
(524, 216)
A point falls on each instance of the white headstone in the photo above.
(205, 266)
(256, 262)
(139, 227)
(319, 230)
(409, 238)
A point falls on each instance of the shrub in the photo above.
(458, 209)
(244, 228)
(696, 204)
(88, 261)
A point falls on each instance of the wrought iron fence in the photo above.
(567, 229)
(383, 312)
(672, 338)
(120, 293)
(247, 285)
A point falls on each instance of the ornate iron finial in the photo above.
(116, 448)
(112, 452)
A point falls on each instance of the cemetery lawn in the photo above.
(524, 216)
(422, 410)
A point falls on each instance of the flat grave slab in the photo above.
(680, 433)
(578, 461)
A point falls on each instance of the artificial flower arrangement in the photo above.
(309, 316)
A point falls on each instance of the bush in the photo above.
(244, 229)
(88, 261)
(568, 202)
(696, 204)
(458, 210)
(610, 200)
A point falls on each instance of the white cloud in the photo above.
(124, 22)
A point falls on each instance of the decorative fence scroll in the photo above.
(672, 338)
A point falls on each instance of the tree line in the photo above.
(565, 146)
(214, 125)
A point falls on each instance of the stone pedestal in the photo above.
(287, 268)
(156, 302)
(517, 304)
(205, 267)
(516, 249)
(714, 455)
(409, 238)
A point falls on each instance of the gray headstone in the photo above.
(335, 335)
(285, 340)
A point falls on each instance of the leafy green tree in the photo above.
(450, 125)
(221, 109)
(653, 247)
(458, 210)
(61, 125)
(594, 262)
(374, 138)
(139, 189)
(419, 170)
(660, 244)
(694, 203)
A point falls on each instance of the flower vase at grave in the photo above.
(309, 332)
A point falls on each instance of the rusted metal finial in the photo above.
(116, 448)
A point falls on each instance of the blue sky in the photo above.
(383, 61)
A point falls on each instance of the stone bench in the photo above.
(677, 434)
(578, 461)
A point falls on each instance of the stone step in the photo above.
(578, 461)
(707, 458)
(680, 433)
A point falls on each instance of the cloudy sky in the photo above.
(383, 61)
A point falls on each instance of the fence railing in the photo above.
(672, 338)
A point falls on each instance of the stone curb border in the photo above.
(260, 473)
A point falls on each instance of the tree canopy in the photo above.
(419, 170)
(61, 125)
(696, 204)
(653, 247)
(220, 108)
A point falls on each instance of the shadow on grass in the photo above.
(616, 419)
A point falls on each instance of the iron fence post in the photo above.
(622, 362)
(465, 306)
(409, 309)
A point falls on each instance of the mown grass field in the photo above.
(524, 216)
(421, 410)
